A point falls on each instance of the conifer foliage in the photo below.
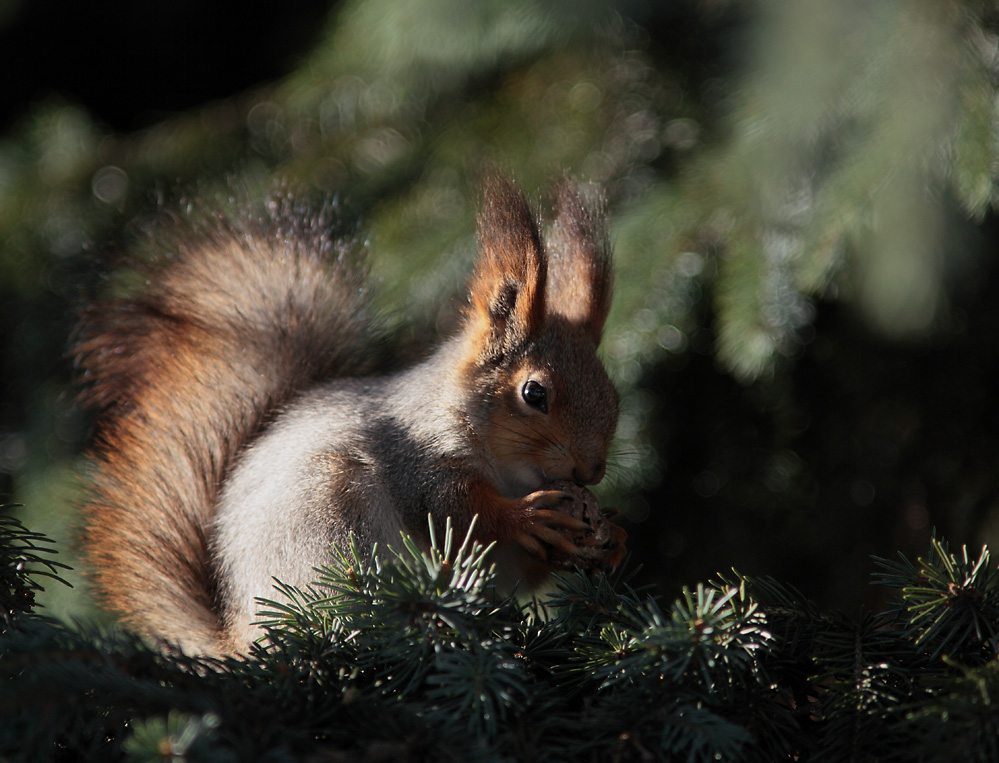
(417, 657)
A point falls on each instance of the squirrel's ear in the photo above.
(579, 278)
(507, 294)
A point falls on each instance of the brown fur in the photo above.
(233, 319)
(581, 282)
(507, 292)
(241, 331)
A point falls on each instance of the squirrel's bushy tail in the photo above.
(185, 358)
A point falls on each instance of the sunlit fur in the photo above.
(240, 436)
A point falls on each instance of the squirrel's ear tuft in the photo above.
(580, 279)
(507, 293)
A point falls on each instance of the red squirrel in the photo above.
(241, 435)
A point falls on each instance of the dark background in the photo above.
(854, 439)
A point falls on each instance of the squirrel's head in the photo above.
(536, 314)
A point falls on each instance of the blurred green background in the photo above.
(802, 195)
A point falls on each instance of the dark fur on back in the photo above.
(185, 357)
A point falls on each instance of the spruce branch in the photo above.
(949, 602)
(21, 561)
(413, 654)
(960, 720)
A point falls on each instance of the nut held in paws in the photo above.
(600, 548)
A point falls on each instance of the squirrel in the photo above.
(243, 432)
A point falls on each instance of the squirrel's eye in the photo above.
(535, 395)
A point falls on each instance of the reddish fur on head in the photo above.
(536, 313)
(507, 292)
(579, 276)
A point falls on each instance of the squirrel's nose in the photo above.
(589, 474)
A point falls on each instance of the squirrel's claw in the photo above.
(545, 499)
(555, 539)
(563, 530)
(615, 548)
(560, 521)
(532, 546)
(548, 528)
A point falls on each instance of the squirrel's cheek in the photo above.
(517, 480)
(520, 452)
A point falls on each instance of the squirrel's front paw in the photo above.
(565, 527)
(549, 524)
